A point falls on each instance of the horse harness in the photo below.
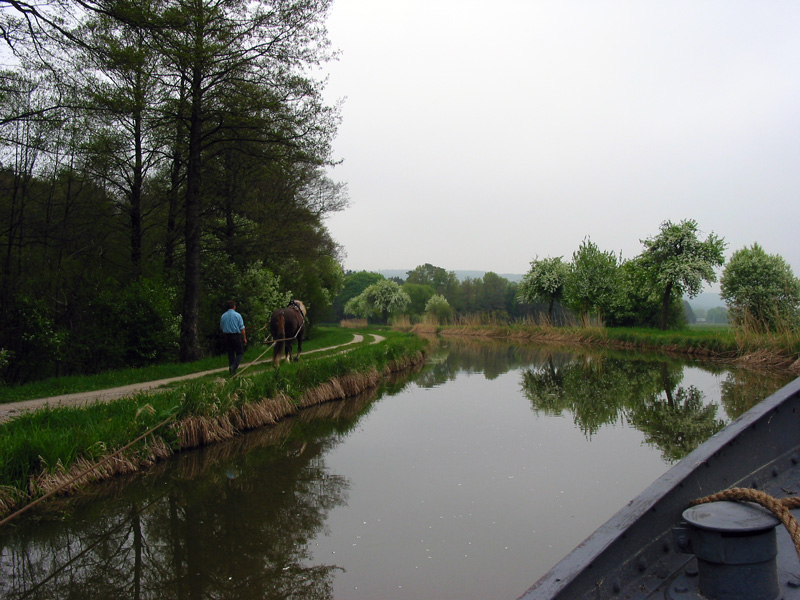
(294, 305)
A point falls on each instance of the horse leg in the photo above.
(299, 345)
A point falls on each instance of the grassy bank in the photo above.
(323, 337)
(769, 351)
(42, 451)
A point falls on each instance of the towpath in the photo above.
(12, 409)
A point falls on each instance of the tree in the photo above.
(354, 284)
(760, 289)
(124, 90)
(221, 52)
(444, 282)
(677, 262)
(380, 300)
(591, 285)
(494, 293)
(438, 306)
(544, 282)
(419, 294)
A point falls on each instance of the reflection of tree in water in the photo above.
(676, 421)
(594, 388)
(602, 390)
(742, 390)
(231, 521)
(449, 357)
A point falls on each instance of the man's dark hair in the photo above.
(230, 304)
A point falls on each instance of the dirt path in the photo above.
(12, 409)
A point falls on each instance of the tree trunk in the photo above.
(665, 301)
(136, 198)
(190, 346)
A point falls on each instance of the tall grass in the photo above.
(774, 350)
(353, 323)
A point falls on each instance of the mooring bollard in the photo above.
(736, 549)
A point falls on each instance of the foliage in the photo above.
(135, 326)
(591, 285)
(419, 294)
(635, 305)
(677, 262)
(129, 154)
(379, 300)
(442, 281)
(354, 284)
(32, 340)
(760, 289)
(438, 306)
(544, 282)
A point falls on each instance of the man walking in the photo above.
(232, 326)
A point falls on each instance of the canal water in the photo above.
(467, 479)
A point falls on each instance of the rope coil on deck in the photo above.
(780, 507)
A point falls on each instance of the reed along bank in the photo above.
(775, 352)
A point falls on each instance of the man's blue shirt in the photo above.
(231, 322)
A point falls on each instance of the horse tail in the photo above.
(279, 333)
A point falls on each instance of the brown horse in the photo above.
(286, 326)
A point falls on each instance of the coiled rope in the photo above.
(780, 507)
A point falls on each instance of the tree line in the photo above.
(430, 290)
(157, 159)
(597, 286)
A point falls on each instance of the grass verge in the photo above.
(42, 450)
(323, 337)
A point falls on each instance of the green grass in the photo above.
(322, 337)
(52, 439)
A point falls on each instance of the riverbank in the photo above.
(775, 352)
(61, 449)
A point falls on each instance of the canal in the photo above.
(466, 479)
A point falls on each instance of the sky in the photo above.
(485, 135)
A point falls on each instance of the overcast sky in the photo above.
(481, 135)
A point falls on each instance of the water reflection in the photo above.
(239, 519)
(229, 521)
(606, 387)
(603, 390)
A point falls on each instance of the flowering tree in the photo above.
(678, 263)
(591, 286)
(760, 289)
(380, 299)
(544, 282)
(438, 306)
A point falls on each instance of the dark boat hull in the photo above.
(633, 555)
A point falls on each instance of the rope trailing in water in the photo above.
(84, 472)
(780, 507)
